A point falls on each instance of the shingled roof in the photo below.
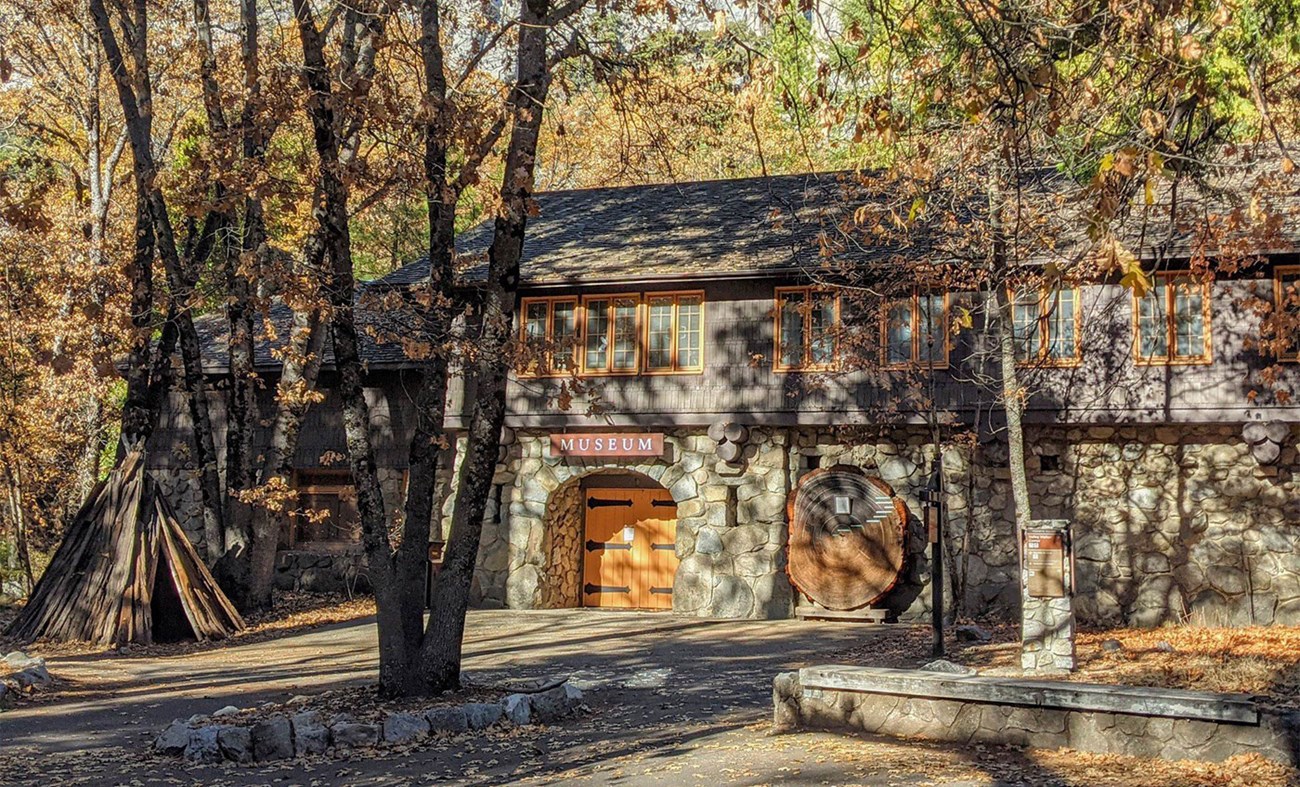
(725, 227)
(767, 225)
(214, 332)
(728, 228)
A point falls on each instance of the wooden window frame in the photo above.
(549, 370)
(807, 291)
(609, 370)
(1041, 357)
(916, 362)
(676, 296)
(1280, 273)
(642, 331)
(295, 520)
(1207, 351)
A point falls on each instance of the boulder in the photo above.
(480, 715)
(4, 692)
(972, 633)
(174, 739)
(229, 710)
(346, 732)
(203, 747)
(1112, 645)
(450, 718)
(235, 742)
(310, 735)
(708, 542)
(18, 661)
(518, 709)
(403, 727)
(948, 667)
(555, 703)
(34, 676)
(273, 739)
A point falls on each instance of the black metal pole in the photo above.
(936, 553)
(934, 503)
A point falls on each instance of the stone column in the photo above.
(1046, 597)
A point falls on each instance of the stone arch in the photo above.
(559, 570)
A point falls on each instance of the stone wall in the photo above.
(730, 525)
(321, 572)
(181, 486)
(1170, 524)
(1153, 727)
(337, 570)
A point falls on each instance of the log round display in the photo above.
(846, 538)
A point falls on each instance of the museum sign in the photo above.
(608, 445)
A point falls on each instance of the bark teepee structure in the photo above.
(125, 572)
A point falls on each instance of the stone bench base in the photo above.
(1147, 722)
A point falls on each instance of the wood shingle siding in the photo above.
(1104, 385)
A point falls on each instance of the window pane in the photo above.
(690, 332)
(1189, 319)
(1060, 324)
(1153, 324)
(625, 338)
(660, 334)
(899, 333)
(535, 323)
(822, 330)
(535, 315)
(932, 329)
(1025, 315)
(564, 333)
(597, 335)
(792, 337)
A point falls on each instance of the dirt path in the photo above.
(674, 701)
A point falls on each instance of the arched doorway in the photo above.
(615, 532)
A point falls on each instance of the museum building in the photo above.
(689, 437)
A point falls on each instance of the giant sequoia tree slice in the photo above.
(845, 560)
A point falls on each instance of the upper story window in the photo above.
(1286, 291)
(1172, 320)
(550, 332)
(916, 330)
(806, 321)
(1046, 325)
(675, 332)
(613, 334)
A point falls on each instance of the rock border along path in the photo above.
(282, 736)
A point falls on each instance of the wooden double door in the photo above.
(629, 548)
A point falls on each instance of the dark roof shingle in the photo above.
(626, 232)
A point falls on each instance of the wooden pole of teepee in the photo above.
(122, 546)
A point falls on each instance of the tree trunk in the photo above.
(22, 552)
(297, 380)
(388, 572)
(136, 97)
(242, 413)
(443, 640)
(1013, 395)
(138, 420)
